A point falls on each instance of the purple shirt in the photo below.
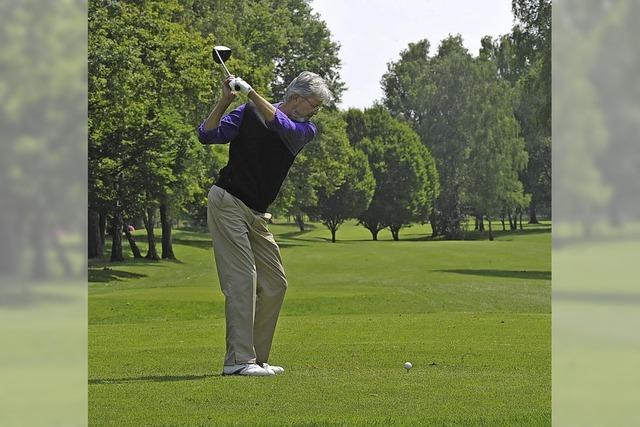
(295, 135)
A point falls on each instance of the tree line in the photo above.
(454, 136)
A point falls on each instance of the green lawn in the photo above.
(472, 316)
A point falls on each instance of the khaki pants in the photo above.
(251, 276)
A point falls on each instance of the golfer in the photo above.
(264, 141)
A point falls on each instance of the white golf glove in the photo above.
(240, 85)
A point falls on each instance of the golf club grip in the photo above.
(236, 87)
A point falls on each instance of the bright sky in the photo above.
(373, 32)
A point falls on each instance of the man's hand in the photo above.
(228, 95)
(238, 84)
(228, 92)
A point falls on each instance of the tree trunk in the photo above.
(300, 221)
(491, 229)
(116, 245)
(504, 227)
(533, 218)
(167, 245)
(333, 225)
(132, 242)
(93, 249)
(512, 222)
(373, 227)
(102, 223)
(433, 220)
(149, 221)
(395, 232)
(480, 222)
(520, 219)
(103, 228)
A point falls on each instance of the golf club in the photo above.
(220, 54)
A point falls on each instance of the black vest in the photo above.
(258, 163)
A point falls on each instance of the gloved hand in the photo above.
(240, 85)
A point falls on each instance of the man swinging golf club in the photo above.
(264, 140)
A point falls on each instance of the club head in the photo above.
(223, 53)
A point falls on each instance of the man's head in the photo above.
(305, 95)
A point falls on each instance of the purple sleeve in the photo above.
(295, 135)
(226, 131)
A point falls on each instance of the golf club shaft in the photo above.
(222, 62)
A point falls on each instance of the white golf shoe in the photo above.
(275, 369)
(247, 369)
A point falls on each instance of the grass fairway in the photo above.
(472, 316)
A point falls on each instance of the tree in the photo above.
(434, 94)
(526, 54)
(404, 171)
(496, 154)
(350, 199)
(147, 79)
(373, 218)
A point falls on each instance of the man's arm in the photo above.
(218, 111)
(213, 121)
(265, 108)
(217, 128)
(295, 135)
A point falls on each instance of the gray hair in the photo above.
(309, 84)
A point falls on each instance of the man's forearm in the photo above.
(265, 108)
(213, 121)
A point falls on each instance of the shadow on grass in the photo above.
(130, 261)
(524, 274)
(191, 229)
(297, 234)
(481, 235)
(195, 243)
(157, 378)
(284, 240)
(501, 234)
(283, 245)
(108, 274)
(295, 238)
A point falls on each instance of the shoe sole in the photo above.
(239, 373)
(245, 375)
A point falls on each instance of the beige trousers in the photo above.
(251, 276)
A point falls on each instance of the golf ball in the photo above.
(408, 365)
